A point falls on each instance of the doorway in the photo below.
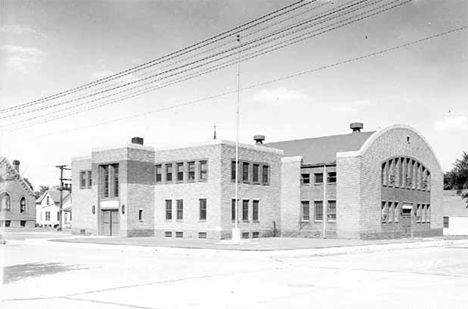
(110, 223)
(406, 219)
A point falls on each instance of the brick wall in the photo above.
(388, 143)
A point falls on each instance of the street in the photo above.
(41, 274)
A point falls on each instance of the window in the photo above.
(390, 212)
(90, 179)
(202, 209)
(245, 171)
(332, 177)
(179, 234)
(265, 174)
(116, 179)
(158, 173)
(446, 222)
(318, 205)
(140, 214)
(423, 213)
(168, 234)
(47, 216)
(202, 234)
(418, 213)
(233, 171)
(180, 209)
(109, 175)
(428, 213)
(255, 234)
(180, 171)
(331, 211)
(168, 209)
(305, 178)
(23, 204)
(255, 211)
(7, 223)
(305, 211)
(233, 210)
(82, 180)
(191, 171)
(203, 170)
(384, 212)
(318, 178)
(168, 172)
(245, 210)
(23, 223)
(58, 216)
(255, 170)
(48, 200)
(396, 217)
(245, 235)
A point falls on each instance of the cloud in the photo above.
(21, 30)
(281, 95)
(105, 73)
(351, 107)
(22, 58)
(452, 124)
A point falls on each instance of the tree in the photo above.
(457, 178)
(41, 191)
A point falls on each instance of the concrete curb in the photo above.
(315, 252)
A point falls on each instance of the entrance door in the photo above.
(110, 222)
(406, 221)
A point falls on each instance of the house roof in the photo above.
(322, 150)
(454, 205)
(10, 169)
(55, 195)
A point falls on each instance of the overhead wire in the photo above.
(298, 74)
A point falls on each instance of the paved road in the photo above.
(41, 274)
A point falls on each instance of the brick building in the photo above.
(17, 199)
(383, 184)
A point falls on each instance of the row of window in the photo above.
(249, 211)
(7, 223)
(251, 172)
(202, 235)
(391, 212)
(182, 171)
(5, 203)
(179, 211)
(406, 173)
(85, 180)
(318, 211)
(318, 178)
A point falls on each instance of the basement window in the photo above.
(168, 234)
(140, 214)
(179, 234)
(245, 235)
(202, 234)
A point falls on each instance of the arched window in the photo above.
(23, 204)
(5, 201)
(407, 173)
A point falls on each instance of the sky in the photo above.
(50, 46)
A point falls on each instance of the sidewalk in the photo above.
(266, 246)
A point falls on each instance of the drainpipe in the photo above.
(325, 202)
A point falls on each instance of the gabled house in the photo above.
(48, 208)
(17, 199)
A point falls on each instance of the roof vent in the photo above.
(16, 165)
(137, 140)
(356, 126)
(259, 139)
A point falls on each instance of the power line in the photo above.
(336, 64)
(185, 50)
(269, 49)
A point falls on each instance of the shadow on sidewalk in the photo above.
(18, 272)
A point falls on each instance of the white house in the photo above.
(48, 209)
(455, 214)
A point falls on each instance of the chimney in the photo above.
(137, 140)
(356, 127)
(259, 139)
(16, 165)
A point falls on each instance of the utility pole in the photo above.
(61, 188)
